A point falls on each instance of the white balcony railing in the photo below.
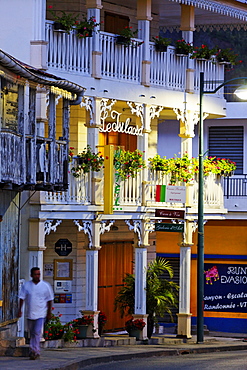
(66, 52)
(135, 192)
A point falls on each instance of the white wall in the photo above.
(21, 21)
(169, 143)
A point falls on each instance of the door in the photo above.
(115, 260)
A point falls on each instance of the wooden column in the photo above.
(92, 280)
(93, 10)
(188, 27)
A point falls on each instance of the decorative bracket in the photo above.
(136, 227)
(155, 111)
(106, 107)
(138, 110)
(106, 227)
(87, 228)
(88, 104)
(48, 226)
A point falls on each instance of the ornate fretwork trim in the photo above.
(184, 115)
(150, 226)
(87, 228)
(136, 227)
(215, 7)
(48, 226)
(155, 111)
(106, 106)
(88, 104)
(106, 227)
(137, 109)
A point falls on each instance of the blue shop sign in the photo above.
(225, 287)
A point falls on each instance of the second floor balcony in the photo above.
(136, 194)
(70, 54)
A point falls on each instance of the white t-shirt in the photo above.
(36, 297)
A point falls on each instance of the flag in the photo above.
(160, 193)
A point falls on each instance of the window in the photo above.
(9, 97)
(114, 23)
(227, 142)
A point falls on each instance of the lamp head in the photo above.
(241, 92)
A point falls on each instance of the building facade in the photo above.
(85, 244)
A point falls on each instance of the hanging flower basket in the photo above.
(59, 27)
(161, 43)
(161, 48)
(123, 40)
(183, 48)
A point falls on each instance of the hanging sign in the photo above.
(178, 228)
(118, 126)
(169, 213)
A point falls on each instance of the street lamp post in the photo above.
(200, 245)
(241, 93)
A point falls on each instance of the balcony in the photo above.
(32, 164)
(68, 53)
(235, 193)
(136, 195)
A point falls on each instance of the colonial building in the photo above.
(84, 243)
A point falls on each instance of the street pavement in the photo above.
(78, 358)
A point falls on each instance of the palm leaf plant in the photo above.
(161, 294)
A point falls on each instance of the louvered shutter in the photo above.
(227, 142)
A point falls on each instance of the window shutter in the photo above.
(227, 142)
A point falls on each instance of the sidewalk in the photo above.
(78, 358)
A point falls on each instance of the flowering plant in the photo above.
(54, 328)
(135, 324)
(161, 40)
(67, 20)
(88, 160)
(183, 47)
(86, 26)
(83, 320)
(203, 52)
(183, 169)
(70, 332)
(219, 166)
(128, 163)
(71, 153)
(102, 319)
(227, 56)
(126, 35)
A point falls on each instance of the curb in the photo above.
(77, 365)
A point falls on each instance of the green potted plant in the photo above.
(86, 27)
(134, 327)
(87, 161)
(161, 43)
(65, 22)
(81, 324)
(203, 52)
(127, 163)
(125, 37)
(183, 48)
(161, 294)
(227, 57)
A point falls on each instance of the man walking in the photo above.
(39, 296)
